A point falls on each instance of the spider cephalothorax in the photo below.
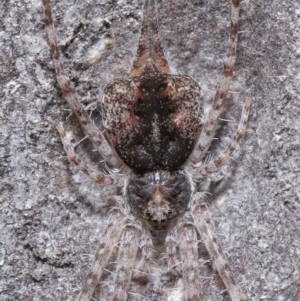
(158, 140)
(158, 196)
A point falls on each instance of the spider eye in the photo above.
(155, 220)
(163, 220)
(148, 213)
(169, 212)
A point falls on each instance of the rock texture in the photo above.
(51, 216)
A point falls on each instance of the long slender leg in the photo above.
(208, 130)
(112, 235)
(95, 175)
(146, 244)
(171, 248)
(126, 260)
(216, 164)
(105, 150)
(208, 232)
(188, 249)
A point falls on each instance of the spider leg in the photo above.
(126, 259)
(204, 224)
(111, 237)
(188, 249)
(73, 157)
(146, 244)
(171, 248)
(208, 130)
(216, 164)
(98, 139)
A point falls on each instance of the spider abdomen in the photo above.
(153, 120)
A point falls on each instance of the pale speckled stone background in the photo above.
(49, 232)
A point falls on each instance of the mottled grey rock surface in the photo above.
(49, 229)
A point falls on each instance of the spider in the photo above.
(155, 140)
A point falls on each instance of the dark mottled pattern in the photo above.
(153, 120)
